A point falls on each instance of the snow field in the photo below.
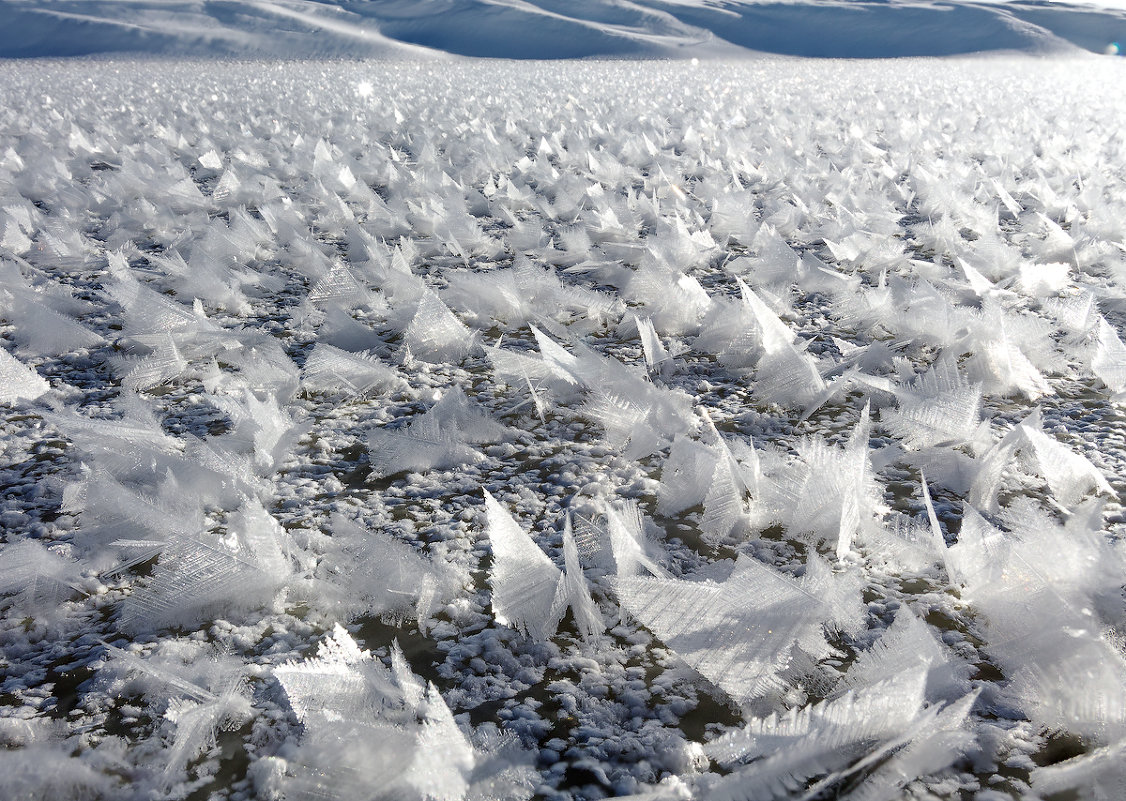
(562, 430)
(547, 29)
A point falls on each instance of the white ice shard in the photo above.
(197, 701)
(342, 330)
(1070, 476)
(341, 288)
(685, 476)
(162, 366)
(656, 355)
(419, 447)
(938, 407)
(1000, 356)
(828, 493)
(636, 415)
(775, 334)
(150, 312)
(630, 548)
(202, 574)
(42, 327)
(936, 741)
(263, 366)
(707, 472)
(435, 334)
(938, 541)
(441, 438)
(45, 767)
(110, 512)
(788, 377)
(885, 725)
(18, 381)
(562, 363)
(331, 369)
(530, 593)
(444, 759)
(544, 383)
(905, 647)
(740, 633)
(129, 444)
(573, 591)
(1101, 773)
(1109, 359)
(454, 411)
(370, 572)
(372, 732)
(725, 505)
(1044, 592)
(977, 559)
(870, 712)
(267, 429)
(782, 751)
(37, 577)
(341, 682)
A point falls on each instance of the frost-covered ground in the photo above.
(562, 430)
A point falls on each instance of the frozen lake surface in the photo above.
(562, 430)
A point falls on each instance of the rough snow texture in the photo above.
(566, 431)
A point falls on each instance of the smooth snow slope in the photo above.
(547, 28)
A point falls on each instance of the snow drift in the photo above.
(542, 29)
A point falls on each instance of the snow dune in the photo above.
(547, 29)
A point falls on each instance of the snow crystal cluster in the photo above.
(562, 431)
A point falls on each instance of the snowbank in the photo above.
(547, 29)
